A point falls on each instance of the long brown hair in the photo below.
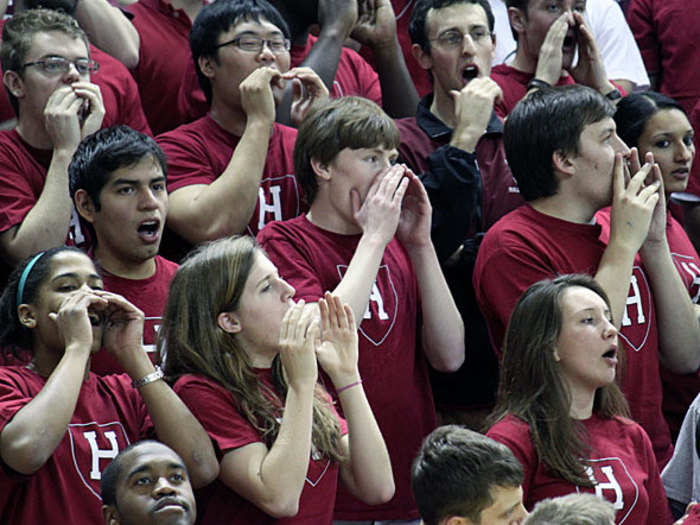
(211, 281)
(531, 386)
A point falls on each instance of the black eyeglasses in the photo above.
(255, 44)
(61, 65)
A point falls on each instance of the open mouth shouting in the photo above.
(149, 230)
(469, 73)
(610, 356)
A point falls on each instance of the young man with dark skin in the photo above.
(147, 484)
(453, 41)
(461, 477)
(569, 162)
(231, 171)
(367, 238)
(47, 66)
(548, 33)
(117, 182)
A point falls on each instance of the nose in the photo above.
(148, 200)
(685, 152)
(72, 75)
(468, 46)
(621, 147)
(162, 487)
(288, 290)
(609, 330)
(266, 54)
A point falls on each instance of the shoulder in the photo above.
(165, 266)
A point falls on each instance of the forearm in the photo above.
(108, 29)
(46, 224)
(399, 95)
(283, 470)
(679, 331)
(179, 429)
(614, 274)
(366, 471)
(355, 287)
(225, 206)
(443, 328)
(323, 59)
(31, 437)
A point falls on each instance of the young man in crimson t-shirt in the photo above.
(231, 171)
(563, 150)
(366, 238)
(117, 182)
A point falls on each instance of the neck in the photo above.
(443, 107)
(45, 362)
(125, 269)
(581, 404)
(523, 61)
(231, 119)
(322, 214)
(562, 207)
(34, 133)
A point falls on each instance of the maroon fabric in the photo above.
(392, 364)
(526, 246)
(620, 459)
(217, 411)
(108, 411)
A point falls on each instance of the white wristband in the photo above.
(150, 378)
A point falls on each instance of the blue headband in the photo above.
(25, 274)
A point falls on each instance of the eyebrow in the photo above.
(136, 181)
(146, 468)
(74, 275)
(276, 32)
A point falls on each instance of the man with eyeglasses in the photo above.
(47, 66)
(232, 170)
(548, 34)
(120, 94)
(456, 137)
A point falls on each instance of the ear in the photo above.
(27, 315)
(562, 163)
(206, 65)
(422, 57)
(84, 205)
(229, 323)
(321, 170)
(555, 353)
(517, 19)
(14, 83)
(110, 515)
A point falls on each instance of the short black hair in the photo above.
(634, 111)
(111, 474)
(218, 17)
(417, 29)
(105, 151)
(456, 470)
(548, 120)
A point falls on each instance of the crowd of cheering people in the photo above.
(349, 261)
